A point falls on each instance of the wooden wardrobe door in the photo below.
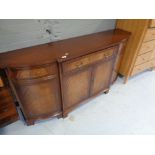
(40, 99)
(76, 87)
(101, 77)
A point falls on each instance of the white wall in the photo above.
(19, 33)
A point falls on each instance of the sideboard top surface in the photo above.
(51, 52)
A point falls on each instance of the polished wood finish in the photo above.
(87, 60)
(38, 91)
(51, 52)
(91, 76)
(101, 77)
(52, 79)
(34, 72)
(75, 88)
(8, 112)
(140, 46)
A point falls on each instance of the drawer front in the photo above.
(140, 68)
(143, 58)
(152, 55)
(146, 47)
(150, 35)
(87, 60)
(152, 63)
(152, 23)
(34, 72)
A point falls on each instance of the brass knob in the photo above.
(64, 57)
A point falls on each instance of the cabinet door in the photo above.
(102, 76)
(76, 87)
(38, 90)
(40, 99)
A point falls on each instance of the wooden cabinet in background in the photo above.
(52, 79)
(138, 55)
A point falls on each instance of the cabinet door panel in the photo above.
(101, 77)
(76, 87)
(40, 99)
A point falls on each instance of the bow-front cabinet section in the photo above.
(38, 91)
(50, 80)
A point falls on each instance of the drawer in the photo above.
(152, 55)
(140, 68)
(150, 35)
(87, 60)
(143, 58)
(1, 82)
(152, 63)
(152, 23)
(33, 72)
(146, 47)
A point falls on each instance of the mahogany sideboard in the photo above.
(52, 79)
